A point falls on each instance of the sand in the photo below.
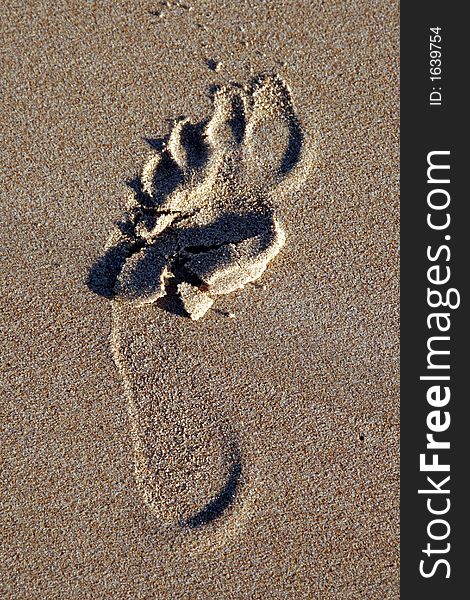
(250, 451)
(200, 221)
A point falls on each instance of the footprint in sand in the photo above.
(200, 222)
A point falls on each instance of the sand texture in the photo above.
(200, 300)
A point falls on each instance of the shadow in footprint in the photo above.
(230, 228)
(216, 507)
(294, 147)
(157, 143)
(105, 271)
(195, 145)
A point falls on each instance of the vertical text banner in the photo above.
(435, 258)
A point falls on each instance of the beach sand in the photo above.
(285, 391)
